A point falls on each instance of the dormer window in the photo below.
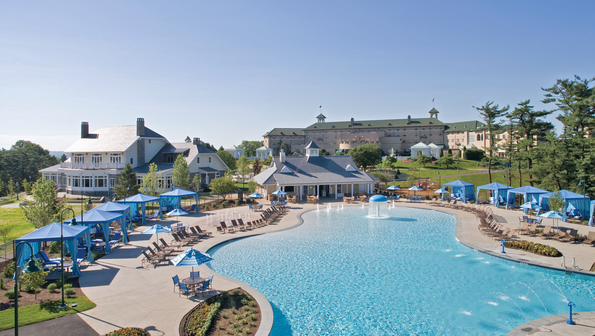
(350, 168)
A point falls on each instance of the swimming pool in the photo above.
(341, 273)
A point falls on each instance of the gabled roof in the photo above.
(314, 170)
(285, 131)
(420, 145)
(234, 148)
(312, 145)
(321, 116)
(471, 125)
(264, 148)
(350, 168)
(110, 139)
(374, 123)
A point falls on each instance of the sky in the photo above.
(227, 71)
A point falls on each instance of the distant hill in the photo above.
(58, 153)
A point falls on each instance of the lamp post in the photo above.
(582, 184)
(31, 268)
(63, 304)
(17, 190)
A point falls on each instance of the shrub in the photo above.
(52, 287)
(237, 202)
(536, 248)
(69, 292)
(9, 294)
(427, 198)
(206, 207)
(128, 332)
(8, 271)
(1, 283)
(33, 281)
(55, 247)
(224, 204)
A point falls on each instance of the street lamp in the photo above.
(18, 190)
(440, 179)
(63, 305)
(582, 184)
(31, 268)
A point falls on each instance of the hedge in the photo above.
(536, 248)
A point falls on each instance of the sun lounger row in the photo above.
(239, 225)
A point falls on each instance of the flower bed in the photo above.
(129, 332)
(536, 248)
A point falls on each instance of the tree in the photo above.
(367, 155)
(252, 185)
(45, 207)
(229, 160)
(26, 186)
(556, 202)
(286, 148)
(446, 161)
(11, 188)
(490, 114)
(181, 173)
(411, 181)
(63, 158)
(6, 234)
(250, 147)
(127, 183)
(243, 168)
(151, 184)
(379, 176)
(424, 160)
(221, 148)
(196, 182)
(24, 160)
(222, 186)
(1, 188)
(187, 140)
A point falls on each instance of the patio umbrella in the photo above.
(278, 193)
(157, 229)
(177, 212)
(441, 191)
(255, 195)
(192, 258)
(393, 187)
(530, 205)
(553, 215)
(415, 188)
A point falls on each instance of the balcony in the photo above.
(75, 165)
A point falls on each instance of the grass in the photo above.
(43, 312)
(434, 173)
(15, 219)
(463, 164)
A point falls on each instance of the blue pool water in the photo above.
(341, 273)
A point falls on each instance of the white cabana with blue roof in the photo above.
(52, 232)
(574, 204)
(461, 189)
(498, 191)
(124, 209)
(172, 199)
(140, 200)
(101, 218)
(530, 194)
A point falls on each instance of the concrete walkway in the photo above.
(128, 295)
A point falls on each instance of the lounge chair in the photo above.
(45, 260)
(547, 232)
(81, 255)
(161, 250)
(155, 215)
(226, 228)
(571, 236)
(165, 245)
(116, 240)
(202, 232)
(524, 228)
(150, 259)
(590, 238)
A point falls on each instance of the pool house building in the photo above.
(314, 175)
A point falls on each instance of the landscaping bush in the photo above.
(237, 202)
(128, 332)
(224, 204)
(68, 290)
(55, 247)
(52, 287)
(198, 322)
(206, 207)
(9, 294)
(536, 248)
(8, 271)
(33, 281)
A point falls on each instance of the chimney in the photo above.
(84, 129)
(282, 155)
(352, 121)
(408, 120)
(196, 141)
(140, 127)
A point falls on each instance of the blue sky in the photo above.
(227, 71)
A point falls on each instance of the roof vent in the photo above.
(390, 124)
(286, 170)
(315, 127)
(350, 168)
(333, 126)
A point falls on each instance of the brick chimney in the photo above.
(408, 120)
(140, 127)
(352, 122)
(84, 129)
(282, 156)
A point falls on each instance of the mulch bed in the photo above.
(26, 299)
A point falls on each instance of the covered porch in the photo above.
(332, 191)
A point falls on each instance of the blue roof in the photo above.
(378, 198)
(51, 232)
(114, 207)
(97, 217)
(139, 198)
(527, 190)
(565, 194)
(457, 183)
(495, 186)
(178, 193)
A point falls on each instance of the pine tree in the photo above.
(181, 173)
(127, 183)
(490, 114)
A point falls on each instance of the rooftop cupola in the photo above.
(408, 120)
(433, 113)
(321, 118)
(312, 149)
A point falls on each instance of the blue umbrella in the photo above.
(553, 215)
(157, 229)
(441, 191)
(177, 212)
(530, 205)
(279, 193)
(415, 188)
(393, 187)
(192, 258)
(255, 195)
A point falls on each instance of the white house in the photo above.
(235, 151)
(97, 158)
(263, 152)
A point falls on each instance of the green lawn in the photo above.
(434, 173)
(43, 312)
(15, 219)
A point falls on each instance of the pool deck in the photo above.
(128, 295)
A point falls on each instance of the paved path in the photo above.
(70, 325)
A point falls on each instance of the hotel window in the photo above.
(112, 182)
(139, 180)
(95, 158)
(131, 160)
(76, 182)
(79, 158)
(217, 175)
(87, 181)
(430, 134)
(115, 158)
(100, 181)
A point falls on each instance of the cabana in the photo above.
(51, 232)
(172, 200)
(498, 191)
(461, 189)
(572, 201)
(142, 200)
(103, 218)
(123, 209)
(530, 194)
(591, 213)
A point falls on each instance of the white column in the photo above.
(352, 195)
(318, 191)
(335, 191)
